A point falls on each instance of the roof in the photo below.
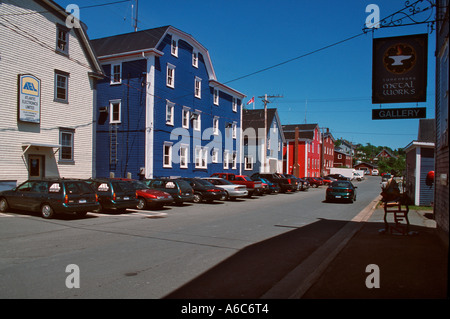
(305, 131)
(255, 118)
(129, 42)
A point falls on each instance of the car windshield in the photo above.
(184, 186)
(122, 186)
(220, 181)
(78, 188)
(204, 182)
(139, 185)
(341, 184)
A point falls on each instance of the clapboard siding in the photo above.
(28, 45)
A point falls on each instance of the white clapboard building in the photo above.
(47, 93)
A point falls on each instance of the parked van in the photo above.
(114, 195)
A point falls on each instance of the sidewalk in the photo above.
(410, 266)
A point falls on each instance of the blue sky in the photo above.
(331, 87)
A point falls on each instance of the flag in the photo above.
(252, 100)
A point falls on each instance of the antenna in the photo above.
(306, 107)
(135, 15)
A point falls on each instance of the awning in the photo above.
(27, 145)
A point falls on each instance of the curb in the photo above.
(296, 283)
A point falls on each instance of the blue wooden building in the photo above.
(161, 110)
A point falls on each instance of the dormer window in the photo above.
(195, 59)
(62, 39)
(216, 97)
(116, 73)
(174, 47)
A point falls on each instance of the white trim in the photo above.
(149, 116)
(417, 177)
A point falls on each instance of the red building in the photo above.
(327, 152)
(306, 161)
(342, 159)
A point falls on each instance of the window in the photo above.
(195, 59)
(201, 157)
(196, 121)
(184, 151)
(170, 108)
(234, 130)
(170, 78)
(234, 104)
(234, 160)
(198, 87)
(115, 111)
(215, 156)
(185, 117)
(248, 163)
(116, 73)
(216, 97)
(66, 140)
(216, 125)
(62, 39)
(167, 155)
(61, 86)
(226, 159)
(174, 47)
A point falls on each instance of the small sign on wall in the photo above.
(29, 99)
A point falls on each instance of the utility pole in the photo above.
(136, 16)
(266, 101)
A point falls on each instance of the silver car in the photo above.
(233, 190)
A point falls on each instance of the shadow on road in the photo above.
(410, 266)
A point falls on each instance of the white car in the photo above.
(375, 172)
(233, 190)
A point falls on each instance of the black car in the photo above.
(50, 197)
(113, 194)
(339, 177)
(180, 190)
(204, 190)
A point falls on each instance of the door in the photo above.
(36, 166)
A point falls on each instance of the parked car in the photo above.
(284, 183)
(327, 180)
(149, 197)
(341, 190)
(205, 191)
(253, 187)
(114, 194)
(339, 177)
(50, 197)
(314, 182)
(232, 191)
(180, 190)
(375, 172)
(272, 188)
(304, 185)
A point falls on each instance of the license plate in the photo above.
(338, 196)
(82, 201)
(126, 198)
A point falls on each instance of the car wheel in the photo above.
(141, 203)
(47, 211)
(197, 198)
(3, 205)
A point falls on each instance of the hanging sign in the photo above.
(403, 113)
(29, 98)
(399, 69)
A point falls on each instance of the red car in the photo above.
(149, 197)
(314, 182)
(328, 180)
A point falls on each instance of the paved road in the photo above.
(221, 250)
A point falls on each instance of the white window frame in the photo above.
(201, 157)
(112, 105)
(170, 112)
(170, 75)
(195, 59)
(216, 96)
(234, 130)
(71, 133)
(167, 155)
(184, 156)
(215, 155)
(248, 163)
(174, 47)
(226, 159)
(198, 87)
(197, 121)
(113, 74)
(234, 104)
(185, 115)
(234, 160)
(216, 125)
